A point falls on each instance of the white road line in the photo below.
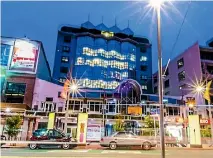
(75, 151)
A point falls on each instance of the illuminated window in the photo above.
(64, 59)
(132, 57)
(80, 61)
(144, 87)
(143, 58)
(62, 80)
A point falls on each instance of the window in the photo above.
(59, 94)
(143, 58)
(143, 49)
(167, 72)
(155, 89)
(64, 59)
(62, 80)
(144, 87)
(155, 79)
(167, 93)
(49, 99)
(143, 77)
(143, 68)
(15, 92)
(67, 39)
(64, 69)
(66, 49)
(181, 76)
(166, 84)
(120, 134)
(180, 63)
(184, 86)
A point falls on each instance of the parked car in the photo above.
(51, 135)
(122, 139)
(3, 138)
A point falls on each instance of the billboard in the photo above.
(134, 110)
(24, 57)
(94, 132)
(82, 127)
(51, 120)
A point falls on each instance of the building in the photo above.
(100, 58)
(191, 68)
(23, 60)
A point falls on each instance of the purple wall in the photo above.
(192, 67)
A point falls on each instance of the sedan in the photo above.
(51, 135)
(123, 139)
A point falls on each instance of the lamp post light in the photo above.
(73, 88)
(156, 4)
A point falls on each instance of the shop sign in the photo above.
(205, 121)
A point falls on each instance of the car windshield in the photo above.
(39, 132)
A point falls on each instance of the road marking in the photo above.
(76, 151)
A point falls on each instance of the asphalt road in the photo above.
(60, 153)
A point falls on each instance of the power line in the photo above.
(177, 37)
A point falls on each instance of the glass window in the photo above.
(64, 69)
(166, 84)
(155, 79)
(167, 93)
(180, 63)
(5, 52)
(143, 58)
(67, 39)
(167, 72)
(62, 80)
(120, 134)
(15, 88)
(144, 87)
(155, 89)
(143, 67)
(143, 77)
(66, 49)
(64, 59)
(143, 49)
(181, 76)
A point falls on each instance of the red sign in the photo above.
(205, 121)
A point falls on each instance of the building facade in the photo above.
(188, 70)
(100, 57)
(22, 61)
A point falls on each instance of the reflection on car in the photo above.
(124, 138)
(51, 135)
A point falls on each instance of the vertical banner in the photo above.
(51, 120)
(194, 130)
(82, 127)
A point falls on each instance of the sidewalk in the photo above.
(96, 146)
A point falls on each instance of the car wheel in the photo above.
(146, 145)
(112, 145)
(65, 146)
(32, 146)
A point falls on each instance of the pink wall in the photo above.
(45, 89)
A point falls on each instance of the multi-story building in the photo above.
(100, 58)
(188, 70)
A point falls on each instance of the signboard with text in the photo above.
(25, 56)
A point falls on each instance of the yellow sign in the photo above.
(107, 34)
(82, 127)
(51, 121)
(194, 130)
(135, 110)
(207, 92)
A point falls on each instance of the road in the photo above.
(60, 153)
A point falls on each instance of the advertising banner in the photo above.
(51, 120)
(94, 132)
(194, 130)
(135, 110)
(82, 127)
(25, 56)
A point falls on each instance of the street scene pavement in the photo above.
(90, 153)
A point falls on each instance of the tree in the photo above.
(119, 125)
(149, 122)
(13, 125)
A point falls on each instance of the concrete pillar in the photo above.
(24, 129)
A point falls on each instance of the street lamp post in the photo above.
(72, 88)
(157, 5)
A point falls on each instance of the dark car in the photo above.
(51, 135)
(3, 138)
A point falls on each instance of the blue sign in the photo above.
(5, 54)
(155, 111)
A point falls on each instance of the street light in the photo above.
(156, 4)
(199, 89)
(73, 88)
(7, 110)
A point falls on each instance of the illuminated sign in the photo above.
(205, 121)
(24, 57)
(107, 34)
(135, 110)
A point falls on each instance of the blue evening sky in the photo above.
(40, 21)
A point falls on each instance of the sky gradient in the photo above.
(41, 20)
